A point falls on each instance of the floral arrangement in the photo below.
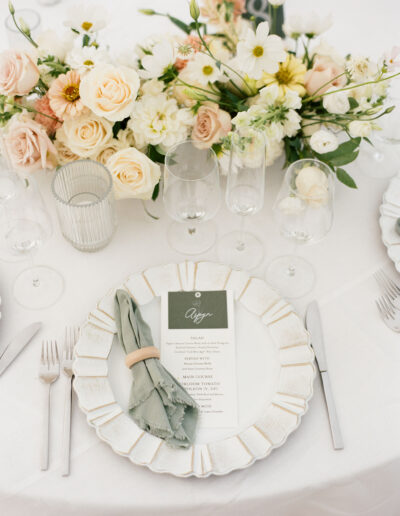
(67, 98)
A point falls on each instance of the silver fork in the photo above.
(389, 314)
(49, 371)
(71, 336)
(390, 289)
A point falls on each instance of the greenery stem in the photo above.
(27, 36)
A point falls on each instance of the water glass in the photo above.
(83, 191)
(191, 197)
(15, 39)
(244, 197)
(303, 211)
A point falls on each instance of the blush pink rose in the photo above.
(27, 145)
(43, 107)
(211, 124)
(18, 73)
(322, 75)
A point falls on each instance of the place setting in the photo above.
(202, 365)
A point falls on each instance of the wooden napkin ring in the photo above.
(141, 354)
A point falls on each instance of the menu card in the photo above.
(198, 348)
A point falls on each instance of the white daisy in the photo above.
(156, 64)
(258, 52)
(86, 18)
(203, 69)
(313, 25)
(84, 59)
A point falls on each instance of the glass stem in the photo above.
(291, 270)
(240, 245)
(35, 279)
(191, 230)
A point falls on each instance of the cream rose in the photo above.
(134, 174)
(27, 145)
(64, 154)
(110, 91)
(86, 135)
(18, 73)
(211, 124)
(312, 186)
(323, 75)
(109, 150)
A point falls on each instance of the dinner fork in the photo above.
(389, 314)
(71, 336)
(49, 371)
(389, 288)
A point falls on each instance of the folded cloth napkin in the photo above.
(158, 403)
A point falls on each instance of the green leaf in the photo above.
(179, 23)
(156, 191)
(353, 103)
(345, 178)
(85, 40)
(368, 140)
(155, 155)
(345, 159)
(344, 154)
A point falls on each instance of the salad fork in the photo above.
(71, 336)
(389, 313)
(389, 288)
(49, 371)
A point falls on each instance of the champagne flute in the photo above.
(27, 227)
(191, 197)
(303, 211)
(244, 197)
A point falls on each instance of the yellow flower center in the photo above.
(208, 70)
(284, 76)
(86, 25)
(88, 62)
(71, 92)
(258, 51)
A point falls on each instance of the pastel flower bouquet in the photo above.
(67, 98)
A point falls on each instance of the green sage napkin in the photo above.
(158, 403)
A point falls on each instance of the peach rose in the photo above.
(134, 174)
(18, 73)
(211, 124)
(110, 91)
(324, 70)
(27, 145)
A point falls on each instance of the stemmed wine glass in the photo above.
(244, 196)
(303, 211)
(191, 197)
(27, 227)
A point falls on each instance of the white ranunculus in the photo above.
(110, 91)
(360, 128)
(52, 43)
(323, 141)
(336, 103)
(157, 120)
(156, 64)
(291, 205)
(134, 174)
(312, 185)
(86, 135)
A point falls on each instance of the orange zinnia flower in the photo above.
(64, 96)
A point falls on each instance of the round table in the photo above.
(306, 476)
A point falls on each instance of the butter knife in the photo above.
(17, 344)
(314, 326)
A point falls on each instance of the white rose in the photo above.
(134, 174)
(110, 91)
(291, 206)
(337, 103)
(312, 185)
(358, 128)
(323, 141)
(86, 135)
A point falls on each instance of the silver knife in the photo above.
(17, 344)
(314, 326)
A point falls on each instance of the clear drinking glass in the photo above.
(303, 211)
(27, 226)
(15, 39)
(191, 197)
(244, 196)
(83, 191)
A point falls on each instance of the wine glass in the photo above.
(303, 211)
(191, 197)
(244, 197)
(27, 227)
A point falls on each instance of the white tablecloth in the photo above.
(305, 477)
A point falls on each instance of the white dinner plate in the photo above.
(275, 372)
(389, 213)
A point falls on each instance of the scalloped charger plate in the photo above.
(275, 372)
(389, 213)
